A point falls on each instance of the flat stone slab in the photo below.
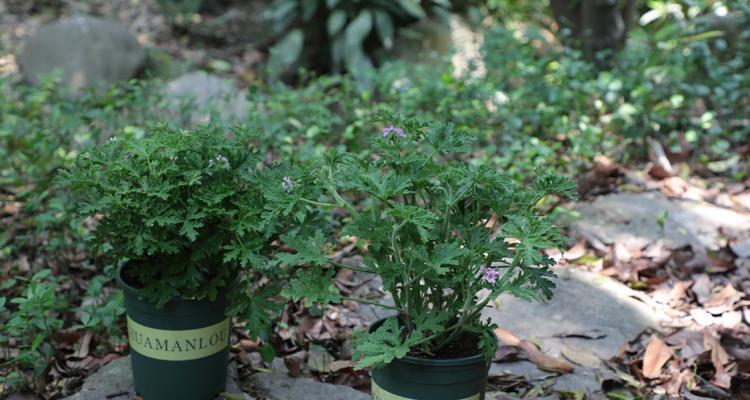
(112, 381)
(277, 385)
(115, 381)
(584, 304)
(638, 220)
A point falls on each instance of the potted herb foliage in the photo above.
(190, 217)
(447, 238)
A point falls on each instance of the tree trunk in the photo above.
(595, 25)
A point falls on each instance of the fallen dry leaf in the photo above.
(533, 353)
(584, 334)
(657, 354)
(340, 364)
(723, 300)
(702, 288)
(581, 356)
(85, 342)
(676, 380)
(293, 366)
(544, 361)
(13, 208)
(719, 358)
(250, 345)
(577, 251)
(506, 353)
(507, 337)
(319, 361)
(678, 291)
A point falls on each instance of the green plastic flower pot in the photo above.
(178, 351)
(413, 378)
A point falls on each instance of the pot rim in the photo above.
(442, 362)
(136, 292)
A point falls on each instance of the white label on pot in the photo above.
(378, 393)
(183, 345)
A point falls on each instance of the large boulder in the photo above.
(201, 97)
(88, 51)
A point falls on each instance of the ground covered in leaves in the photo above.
(663, 221)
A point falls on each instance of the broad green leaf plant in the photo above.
(337, 33)
(447, 237)
(192, 212)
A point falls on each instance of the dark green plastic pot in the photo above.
(179, 351)
(412, 378)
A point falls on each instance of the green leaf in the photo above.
(378, 348)
(413, 8)
(547, 182)
(423, 220)
(314, 286)
(355, 34)
(286, 52)
(246, 252)
(267, 353)
(358, 29)
(308, 9)
(445, 139)
(446, 254)
(308, 250)
(335, 22)
(384, 25)
(352, 174)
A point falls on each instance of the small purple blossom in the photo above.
(387, 131)
(489, 275)
(287, 183)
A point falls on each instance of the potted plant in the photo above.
(190, 217)
(446, 237)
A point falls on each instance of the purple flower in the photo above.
(489, 275)
(393, 129)
(287, 183)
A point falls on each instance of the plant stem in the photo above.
(358, 269)
(374, 303)
(317, 203)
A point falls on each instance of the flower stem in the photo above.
(317, 203)
(358, 269)
(374, 303)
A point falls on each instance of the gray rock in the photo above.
(204, 96)
(112, 381)
(277, 385)
(115, 381)
(88, 50)
(631, 221)
(582, 303)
